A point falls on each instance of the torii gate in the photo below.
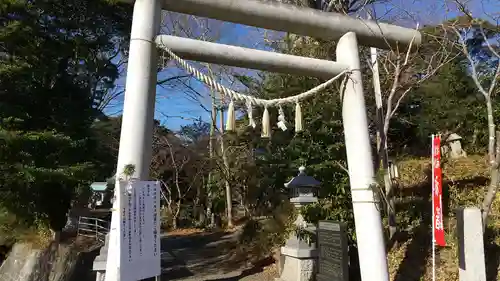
(139, 103)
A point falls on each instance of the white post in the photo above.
(138, 115)
(140, 90)
(470, 245)
(369, 232)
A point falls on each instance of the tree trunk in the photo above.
(382, 153)
(199, 211)
(209, 214)
(491, 132)
(174, 223)
(388, 186)
(229, 201)
(391, 211)
(490, 195)
(175, 215)
(494, 171)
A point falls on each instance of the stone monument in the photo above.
(453, 148)
(470, 245)
(300, 255)
(333, 252)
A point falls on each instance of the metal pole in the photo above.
(369, 231)
(298, 20)
(197, 50)
(138, 116)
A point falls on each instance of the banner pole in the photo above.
(433, 214)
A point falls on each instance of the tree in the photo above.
(206, 30)
(479, 41)
(180, 163)
(55, 58)
(402, 72)
(446, 103)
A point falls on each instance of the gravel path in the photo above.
(205, 257)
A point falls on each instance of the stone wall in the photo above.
(57, 262)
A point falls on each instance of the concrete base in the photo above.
(100, 276)
(296, 269)
(298, 264)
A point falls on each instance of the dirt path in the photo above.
(206, 257)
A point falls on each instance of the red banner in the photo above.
(437, 192)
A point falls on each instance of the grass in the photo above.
(464, 184)
(13, 230)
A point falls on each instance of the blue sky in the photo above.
(176, 107)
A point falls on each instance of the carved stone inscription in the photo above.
(333, 257)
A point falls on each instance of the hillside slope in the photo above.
(464, 184)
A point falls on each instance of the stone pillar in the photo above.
(471, 245)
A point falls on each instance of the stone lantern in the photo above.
(303, 189)
(300, 255)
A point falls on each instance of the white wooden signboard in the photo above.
(135, 232)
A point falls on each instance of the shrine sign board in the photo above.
(135, 232)
(333, 252)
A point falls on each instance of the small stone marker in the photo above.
(470, 245)
(453, 147)
(333, 254)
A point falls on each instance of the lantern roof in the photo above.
(302, 180)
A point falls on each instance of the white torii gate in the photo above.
(139, 103)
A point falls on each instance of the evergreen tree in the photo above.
(56, 61)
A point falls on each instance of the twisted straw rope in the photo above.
(249, 99)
